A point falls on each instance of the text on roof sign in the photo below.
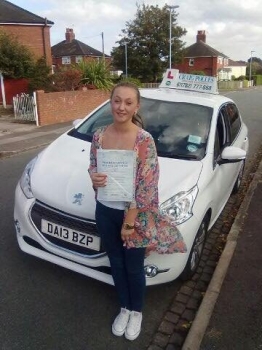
(183, 81)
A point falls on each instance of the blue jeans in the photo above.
(127, 264)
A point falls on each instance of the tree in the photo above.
(256, 59)
(16, 60)
(255, 68)
(147, 43)
(40, 77)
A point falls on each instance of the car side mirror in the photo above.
(232, 154)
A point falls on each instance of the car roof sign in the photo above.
(172, 79)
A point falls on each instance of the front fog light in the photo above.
(151, 270)
(17, 227)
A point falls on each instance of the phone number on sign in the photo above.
(202, 87)
(195, 86)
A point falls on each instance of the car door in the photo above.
(237, 130)
(224, 175)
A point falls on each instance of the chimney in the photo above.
(70, 35)
(201, 36)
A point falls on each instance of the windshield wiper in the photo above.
(178, 156)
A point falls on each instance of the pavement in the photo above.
(230, 314)
(17, 136)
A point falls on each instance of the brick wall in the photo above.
(36, 38)
(205, 64)
(59, 107)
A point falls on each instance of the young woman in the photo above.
(127, 229)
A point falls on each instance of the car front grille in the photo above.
(41, 211)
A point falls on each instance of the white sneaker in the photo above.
(120, 322)
(134, 325)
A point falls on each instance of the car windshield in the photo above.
(180, 129)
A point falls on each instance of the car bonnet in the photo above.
(60, 177)
(176, 176)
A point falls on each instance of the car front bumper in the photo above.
(168, 267)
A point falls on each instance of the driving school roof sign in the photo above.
(200, 83)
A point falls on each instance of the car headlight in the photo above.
(180, 206)
(25, 181)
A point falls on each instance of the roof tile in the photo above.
(10, 13)
(74, 48)
(201, 49)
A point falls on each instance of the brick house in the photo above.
(71, 51)
(31, 30)
(202, 57)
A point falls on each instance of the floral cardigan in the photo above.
(152, 229)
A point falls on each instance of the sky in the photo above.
(233, 27)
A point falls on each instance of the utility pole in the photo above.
(103, 46)
(126, 57)
(171, 8)
(250, 68)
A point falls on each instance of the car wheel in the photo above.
(239, 178)
(196, 250)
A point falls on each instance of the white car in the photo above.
(202, 144)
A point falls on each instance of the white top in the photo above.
(113, 204)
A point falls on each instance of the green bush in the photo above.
(241, 78)
(197, 72)
(66, 79)
(40, 77)
(258, 79)
(16, 60)
(95, 74)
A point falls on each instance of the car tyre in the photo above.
(239, 178)
(196, 250)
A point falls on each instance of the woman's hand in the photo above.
(125, 234)
(98, 179)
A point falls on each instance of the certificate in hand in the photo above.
(119, 166)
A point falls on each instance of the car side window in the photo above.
(221, 130)
(234, 120)
(216, 147)
(220, 136)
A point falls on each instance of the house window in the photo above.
(191, 62)
(66, 60)
(220, 60)
(79, 59)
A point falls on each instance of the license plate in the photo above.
(69, 235)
